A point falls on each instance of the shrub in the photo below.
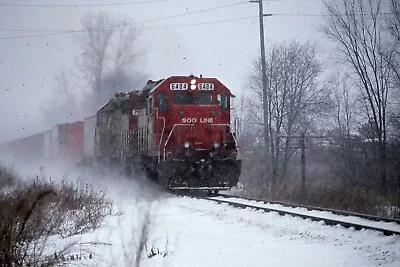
(37, 214)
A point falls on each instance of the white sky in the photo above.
(223, 50)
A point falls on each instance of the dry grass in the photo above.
(34, 215)
(330, 182)
(354, 199)
(7, 177)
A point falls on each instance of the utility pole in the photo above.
(303, 160)
(261, 16)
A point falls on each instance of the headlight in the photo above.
(216, 145)
(186, 145)
(193, 87)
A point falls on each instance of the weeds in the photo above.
(36, 215)
(7, 177)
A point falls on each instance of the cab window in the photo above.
(162, 102)
(203, 98)
(197, 98)
(222, 100)
(179, 99)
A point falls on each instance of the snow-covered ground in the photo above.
(191, 232)
(201, 233)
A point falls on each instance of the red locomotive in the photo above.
(178, 128)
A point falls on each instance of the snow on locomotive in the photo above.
(177, 128)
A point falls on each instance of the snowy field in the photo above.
(180, 231)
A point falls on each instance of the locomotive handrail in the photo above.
(234, 137)
(161, 136)
(170, 133)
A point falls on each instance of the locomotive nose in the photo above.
(196, 128)
(207, 133)
(201, 138)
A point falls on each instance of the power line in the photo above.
(189, 13)
(40, 34)
(145, 28)
(200, 23)
(326, 15)
(84, 5)
(53, 32)
(25, 30)
(116, 25)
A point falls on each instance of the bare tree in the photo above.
(393, 20)
(109, 58)
(294, 97)
(63, 105)
(106, 65)
(344, 113)
(357, 28)
(393, 50)
(345, 117)
(94, 42)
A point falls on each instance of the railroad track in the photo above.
(338, 212)
(392, 227)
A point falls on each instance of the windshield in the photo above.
(197, 98)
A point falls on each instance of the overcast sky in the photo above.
(175, 46)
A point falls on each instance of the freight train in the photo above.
(178, 129)
(62, 142)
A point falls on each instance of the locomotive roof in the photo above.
(149, 87)
(152, 85)
(115, 101)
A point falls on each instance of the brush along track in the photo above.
(328, 221)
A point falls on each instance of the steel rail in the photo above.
(331, 222)
(334, 211)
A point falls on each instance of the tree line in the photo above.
(109, 61)
(357, 106)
